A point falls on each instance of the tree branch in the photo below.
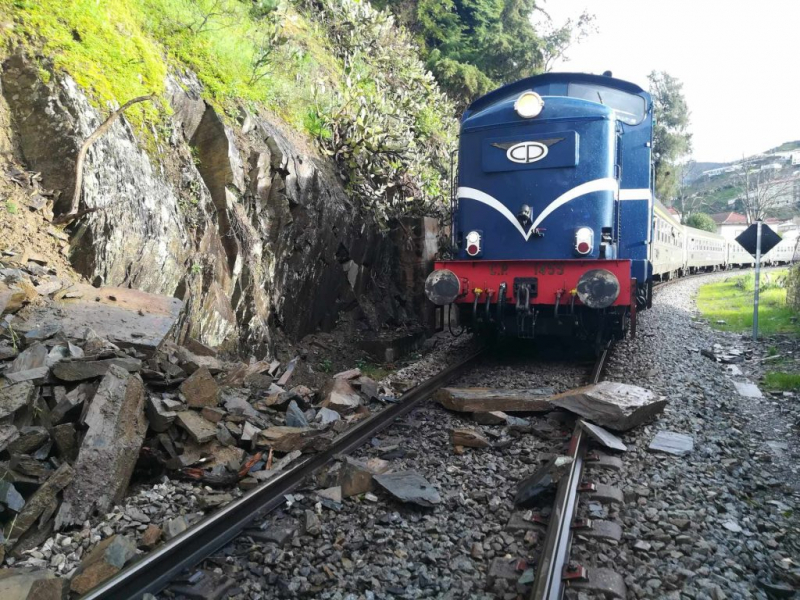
(102, 129)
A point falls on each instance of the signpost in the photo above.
(758, 239)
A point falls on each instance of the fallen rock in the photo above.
(175, 527)
(109, 451)
(200, 389)
(200, 430)
(14, 398)
(288, 439)
(409, 486)
(66, 440)
(25, 583)
(126, 317)
(747, 389)
(349, 374)
(494, 417)
(32, 357)
(334, 494)
(10, 497)
(326, 416)
(150, 537)
(71, 404)
(80, 370)
(355, 477)
(104, 561)
(469, 438)
(9, 433)
(484, 400)
(41, 503)
(608, 440)
(672, 443)
(312, 523)
(341, 397)
(29, 440)
(287, 374)
(295, 416)
(158, 416)
(617, 406)
(541, 480)
(39, 376)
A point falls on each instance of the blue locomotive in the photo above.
(553, 212)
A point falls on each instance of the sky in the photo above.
(739, 63)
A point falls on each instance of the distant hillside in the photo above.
(786, 147)
(718, 191)
(695, 169)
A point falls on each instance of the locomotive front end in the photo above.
(536, 220)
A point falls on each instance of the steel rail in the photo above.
(548, 583)
(153, 572)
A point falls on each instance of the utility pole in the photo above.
(758, 280)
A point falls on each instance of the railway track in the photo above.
(554, 571)
(157, 569)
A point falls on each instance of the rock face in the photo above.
(258, 235)
(618, 406)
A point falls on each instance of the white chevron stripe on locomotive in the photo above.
(596, 185)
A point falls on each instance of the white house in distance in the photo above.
(731, 224)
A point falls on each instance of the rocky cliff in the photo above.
(237, 216)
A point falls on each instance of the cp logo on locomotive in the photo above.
(525, 153)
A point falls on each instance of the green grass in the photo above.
(731, 301)
(776, 380)
(119, 49)
(11, 207)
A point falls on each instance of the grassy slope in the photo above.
(731, 300)
(119, 49)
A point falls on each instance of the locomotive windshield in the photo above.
(629, 108)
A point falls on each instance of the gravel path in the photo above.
(718, 523)
(721, 522)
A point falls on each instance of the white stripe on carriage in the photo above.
(635, 194)
(597, 185)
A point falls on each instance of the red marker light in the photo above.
(472, 249)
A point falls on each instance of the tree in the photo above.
(671, 138)
(763, 190)
(701, 221)
(474, 46)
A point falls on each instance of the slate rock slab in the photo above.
(109, 451)
(541, 480)
(15, 397)
(409, 486)
(125, 317)
(747, 389)
(671, 442)
(609, 440)
(104, 561)
(78, 370)
(617, 406)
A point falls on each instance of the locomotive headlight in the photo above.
(529, 105)
(473, 243)
(598, 288)
(442, 287)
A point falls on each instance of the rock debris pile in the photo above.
(92, 389)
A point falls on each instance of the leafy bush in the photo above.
(391, 130)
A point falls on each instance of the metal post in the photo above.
(758, 280)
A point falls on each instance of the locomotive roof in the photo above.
(512, 90)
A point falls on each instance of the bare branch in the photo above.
(96, 134)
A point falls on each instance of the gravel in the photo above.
(718, 522)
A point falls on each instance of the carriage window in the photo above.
(629, 108)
